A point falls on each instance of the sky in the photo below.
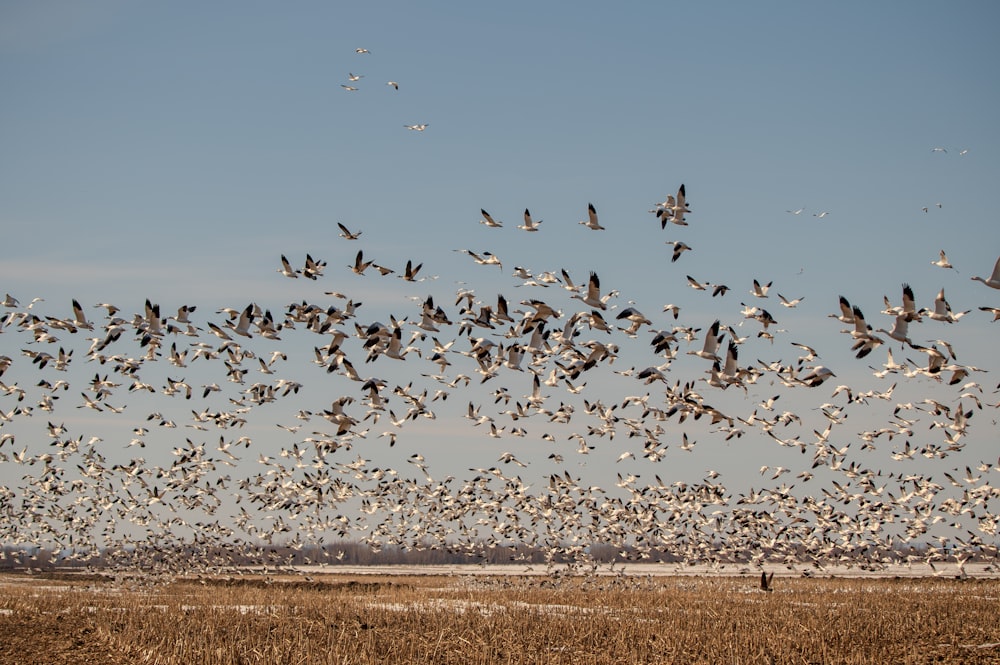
(175, 151)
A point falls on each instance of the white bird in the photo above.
(593, 297)
(591, 221)
(529, 224)
(360, 265)
(348, 88)
(417, 128)
(760, 290)
(899, 330)
(286, 268)
(361, 50)
(346, 233)
(942, 262)
(487, 259)
(789, 303)
(354, 77)
(711, 344)
(821, 215)
(489, 221)
(393, 84)
(679, 248)
(942, 310)
(993, 281)
(815, 376)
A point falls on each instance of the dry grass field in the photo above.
(470, 620)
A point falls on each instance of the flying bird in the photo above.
(487, 220)
(529, 224)
(346, 233)
(591, 221)
(993, 281)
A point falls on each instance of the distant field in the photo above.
(488, 618)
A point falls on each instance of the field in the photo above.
(484, 619)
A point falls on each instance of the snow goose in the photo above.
(679, 248)
(346, 233)
(80, 318)
(943, 262)
(790, 303)
(410, 273)
(899, 330)
(846, 313)
(360, 265)
(529, 224)
(593, 297)
(760, 290)
(591, 221)
(815, 376)
(711, 344)
(993, 281)
(487, 220)
(942, 310)
(487, 259)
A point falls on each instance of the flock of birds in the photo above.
(353, 85)
(200, 468)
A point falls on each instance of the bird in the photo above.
(360, 265)
(899, 329)
(679, 248)
(487, 220)
(487, 259)
(354, 77)
(815, 376)
(410, 273)
(394, 85)
(591, 221)
(361, 50)
(711, 344)
(286, 268)
(695, 284)
(760, 290)
(942, 262)
(766, 581)
(417, 128)
(593, 296)
(349, 88)
(993, 281)
(821, 215)
(529, 224)
(347, 233)
(789, 303)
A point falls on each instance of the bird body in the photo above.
(993, 281)
(591, 221)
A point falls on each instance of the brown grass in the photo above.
(483, 620)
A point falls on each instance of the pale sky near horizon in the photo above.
(174, 151)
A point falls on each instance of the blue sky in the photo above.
(174, 151)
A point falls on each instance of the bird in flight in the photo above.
(417, 128)
(346, 233)
(591, 221)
